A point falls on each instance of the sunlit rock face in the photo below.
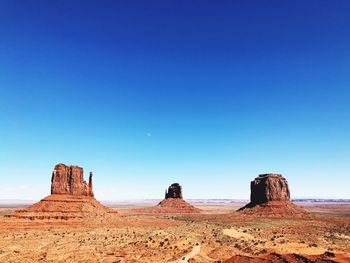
(70, 180)
(71, 198)
(270, 197)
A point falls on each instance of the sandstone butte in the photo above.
(70, 180)
(270, 196)
(173, 202)
(71, 197)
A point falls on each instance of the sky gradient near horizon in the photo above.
(146, 93)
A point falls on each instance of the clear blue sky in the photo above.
(146, 93)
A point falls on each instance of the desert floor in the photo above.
(215, 235)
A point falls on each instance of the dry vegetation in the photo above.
(206, 237)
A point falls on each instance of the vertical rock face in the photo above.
(71, 197)
(269, 187)
(174, 191)
(70, 180)
(90, 185)
(173, 202)
(270, 197)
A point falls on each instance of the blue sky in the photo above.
(146, 93)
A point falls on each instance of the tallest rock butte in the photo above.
(70, 180)
(270, 196)
(71, 197)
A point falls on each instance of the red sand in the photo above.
(171, 206)
(64, 207)
(274, 209)
(291, 258)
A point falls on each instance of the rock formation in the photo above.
(172, 203)
(69, 180)
(270, 196)
(174, 191)
(71, 197)
(175, 205)
(269, 187)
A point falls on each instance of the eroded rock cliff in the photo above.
(70, 180)
(174, 191)
(270, 196)
(71, 198)
(269, 187)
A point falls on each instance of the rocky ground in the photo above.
(169, 205)
(217, 234)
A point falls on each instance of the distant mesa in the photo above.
(269, 187)
(172, 203)
(71, 197)
(174, 191)
(270, 196)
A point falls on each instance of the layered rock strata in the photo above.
(172, 203)
(270, 196)
(70, 180)
(71, 197)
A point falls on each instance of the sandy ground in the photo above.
(213, 236)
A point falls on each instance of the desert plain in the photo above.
(202, 99)
(217, 234)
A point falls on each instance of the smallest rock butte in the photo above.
(173, 203)
(270, 196)
(174, 191)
